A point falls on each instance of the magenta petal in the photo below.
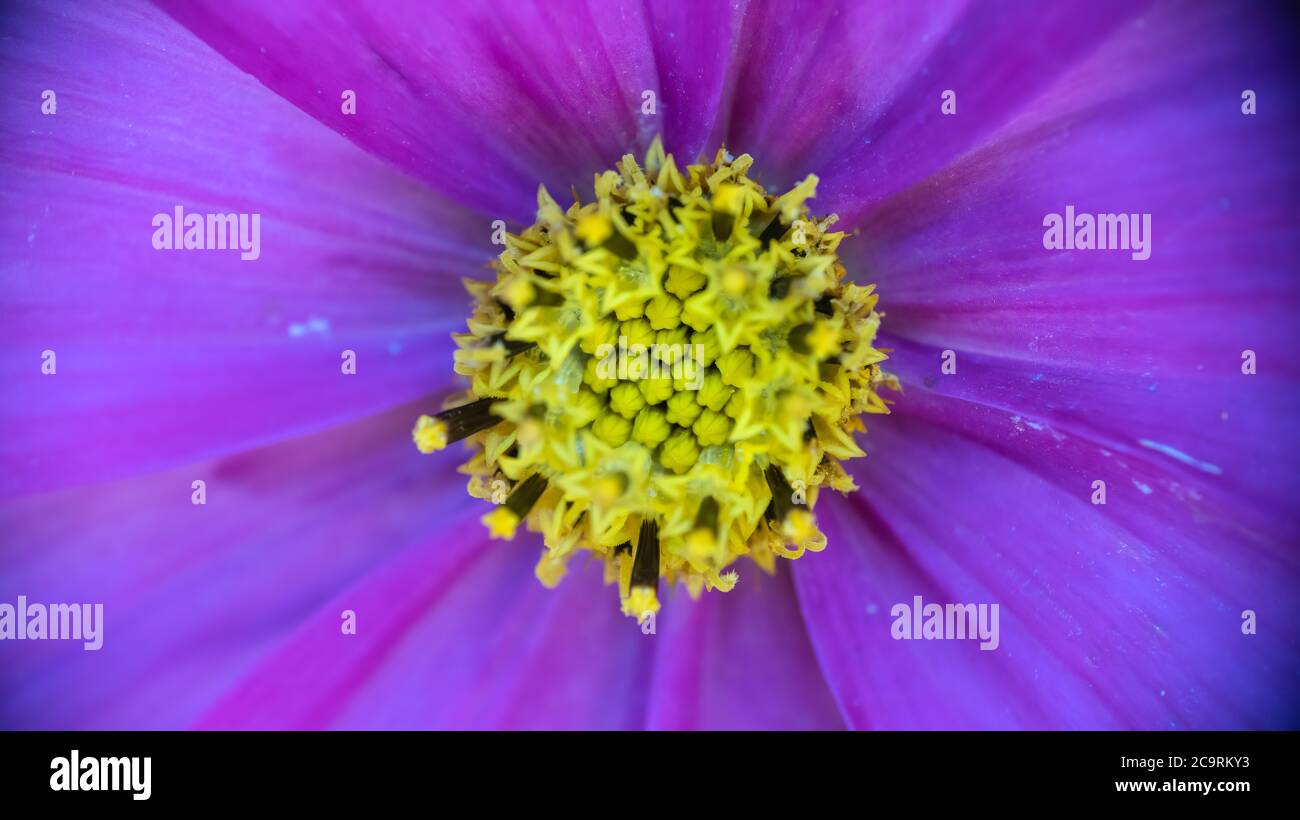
(166, 356)
(960, 257)
(482, 101)
(455, 633)
(738, 660)
(195, 595)
(852, 91)
(1127, 615)
(1214, 431)
(695, 46)
(1140, 357)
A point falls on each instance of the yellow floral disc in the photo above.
(665, 377)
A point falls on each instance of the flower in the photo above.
(334, 577)
(588, 394)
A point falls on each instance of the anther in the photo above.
(435, 432)
(645, 566)
(775, 230)
(783, 502)
(702, 540)
(504, 520)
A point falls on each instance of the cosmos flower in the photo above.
(666, 377)
(334, 576)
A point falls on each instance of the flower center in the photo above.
(665, 377)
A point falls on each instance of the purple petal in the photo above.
(738, 660)
(1127, 615)
(852, 91)
(457, 633)
(194, 596)
(1097, 344)
(481, 101)
(167, 356)
(695, 48)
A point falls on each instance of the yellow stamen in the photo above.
(736, 281)
(729, 199)
(682, 344)
(823, 340)
(700, 544)
(594, 229)
(430, 434)
(641, 602)
(502, 523)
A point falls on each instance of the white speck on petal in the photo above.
(1179, 455)
(315, 324)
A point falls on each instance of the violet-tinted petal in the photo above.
(1127, 615)
(482, 101)
(964, 249)
(194, 596)
(852, 91)
(695, 47)
(457, 633)
(165, 356)
(738, 660)
(1134, 355)
(1216, 430)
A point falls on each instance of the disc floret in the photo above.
(666, 376)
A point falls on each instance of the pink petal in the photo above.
(1127, 615)
(194, 596)
(483, 102)
(738, 660)
(1141, 357)
(852, 91)
(455, 633)
(169, 356)
(695, 49)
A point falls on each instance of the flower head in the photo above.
(383, 142)
(666, 376)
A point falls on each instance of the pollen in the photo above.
(665, 377)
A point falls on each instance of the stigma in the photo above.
(665, 377)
